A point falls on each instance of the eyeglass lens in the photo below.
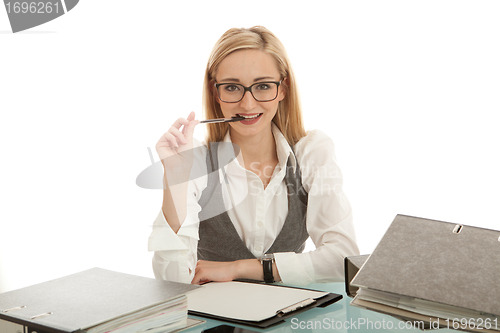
(261, 91)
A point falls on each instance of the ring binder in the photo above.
(414, 274)
(14, 309)
(295, 306)
(95, 300)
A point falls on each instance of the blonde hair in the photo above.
(288, 118)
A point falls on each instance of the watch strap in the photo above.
(267, 266)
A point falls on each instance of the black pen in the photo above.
(221, 120)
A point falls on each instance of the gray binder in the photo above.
(442, 262)
(76, 302)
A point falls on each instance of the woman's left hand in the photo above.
(220, 271)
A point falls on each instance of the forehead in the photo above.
(247, 65)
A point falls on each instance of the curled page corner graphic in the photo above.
(26, 14)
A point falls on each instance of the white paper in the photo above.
(246, 301)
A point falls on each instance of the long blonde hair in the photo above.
(288, 118)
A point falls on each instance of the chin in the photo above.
(251, 130)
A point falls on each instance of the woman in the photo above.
(287, 182)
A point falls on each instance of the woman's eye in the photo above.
(263, 86)
(231, 87)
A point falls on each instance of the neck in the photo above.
(259, 148)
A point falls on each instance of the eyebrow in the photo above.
(255, 80)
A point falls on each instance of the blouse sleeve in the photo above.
(175, 255)
(329, 217)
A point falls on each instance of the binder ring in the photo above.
(16, 308)
(458, 228)
(41, 315)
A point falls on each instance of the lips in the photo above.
(250, 118)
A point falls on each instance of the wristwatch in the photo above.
(267, 265)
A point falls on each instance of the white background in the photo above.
(408, 91)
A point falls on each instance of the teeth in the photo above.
(249, 117)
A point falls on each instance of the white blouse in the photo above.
(259, 214)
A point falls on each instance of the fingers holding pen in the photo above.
(188, 129)
(187, 125)
(185, 121)
(181, 122)
(191, 116)
(167, 140)
(178, 137)
(180, 133)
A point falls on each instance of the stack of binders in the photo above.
(97, 301)
(443, 274)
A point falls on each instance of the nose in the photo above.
(248, 102)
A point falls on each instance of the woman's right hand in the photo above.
(175, 149)
(175, 146)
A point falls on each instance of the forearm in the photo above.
(252, 269)
(174, 201)
(222, 271)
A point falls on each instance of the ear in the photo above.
(283, 89)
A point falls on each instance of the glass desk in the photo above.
(337, 317)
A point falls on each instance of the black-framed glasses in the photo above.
(261, 91)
